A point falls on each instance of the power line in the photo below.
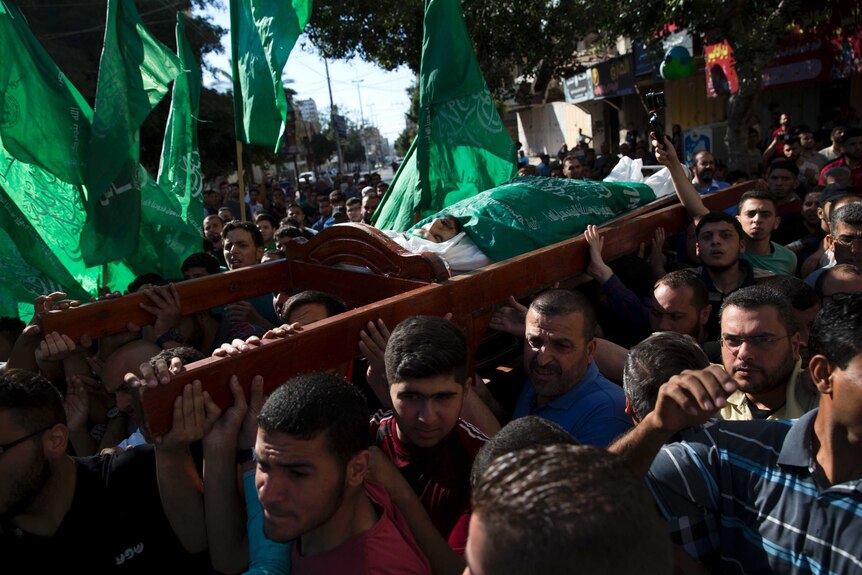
(101, 27)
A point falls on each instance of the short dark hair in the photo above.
(557, 302)
(798, 293)
(202, 260)
(456, 223)
(144, 279)
(425, 346)
(543, 507)
(838, 269)
(31, 400)
(849, 215)
(573, 158)
(292, 231)
(757, 296)
(756, 194)
(655, 360)
(783, 164)
(314, 403)
(686, 277)
(266, 217)
(354, 202)
(256, 236)
(12, 325)
(850, 133)
(716, 217)
(186, 354)
(333, 304)
(835, 332)
(337, 196)
(521, 433)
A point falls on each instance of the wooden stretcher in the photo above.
(396, 284)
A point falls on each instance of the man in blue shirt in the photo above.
(703, 169)
(565, 385)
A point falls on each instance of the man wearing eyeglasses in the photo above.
(843, 279)
(760, 351)
(125, 513)
(844, 239)
(763, 496)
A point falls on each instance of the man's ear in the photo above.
(631, 411)
(830, 245)
(741, 246)
(795, 341)
(591, 348)
(55, 441)
(821, 374)
(777, 223)
(357, 468)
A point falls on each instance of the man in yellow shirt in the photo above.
(760, 350)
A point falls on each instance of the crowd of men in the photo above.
(708, 419)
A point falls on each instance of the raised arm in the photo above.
(443, 559)
(232, 435)
(180, 486)
(686, 400)
(685, 191)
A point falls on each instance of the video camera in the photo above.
(655, 102)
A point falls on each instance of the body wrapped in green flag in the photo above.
(530, 212)
(262, 35)
(462, 147)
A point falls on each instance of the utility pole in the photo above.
(332, 113)
(362, 125)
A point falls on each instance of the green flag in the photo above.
(172, 207)
(42, 217)
(262, 34)
(462, 147)
(134, 73)
(43, 118)
(180, 167)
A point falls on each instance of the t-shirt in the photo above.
(115, 524)
(386, 548)
(855, 173)
(750, 494)
(439, 475)
(780, 261)
(593, 411)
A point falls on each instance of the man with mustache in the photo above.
(703, 169)
(760, 350)
(565, 385)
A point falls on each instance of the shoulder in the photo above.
(747, 443)
(470, 436)
(382, 422)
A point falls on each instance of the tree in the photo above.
(321, 147)
(353, 146)
(528, 40)
(72, 35)
(408, 134)
(755, 30)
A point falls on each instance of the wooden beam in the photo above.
(111, 316)
(470, 297)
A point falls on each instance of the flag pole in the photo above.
(240, 180)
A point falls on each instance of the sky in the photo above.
(383, 94)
